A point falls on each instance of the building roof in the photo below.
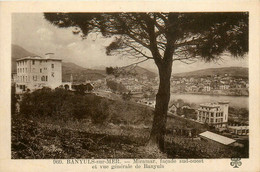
(223, 102)
(37, 58)
(217, 138)
(211, 105)
(239, 127)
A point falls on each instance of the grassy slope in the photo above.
(123, 135)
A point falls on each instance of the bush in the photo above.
(101, 113)
(14, 100)
(62, 103)
(116, 86)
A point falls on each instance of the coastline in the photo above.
(208, 94)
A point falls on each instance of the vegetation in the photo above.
(74, 130)
(127, 96)
(14, 100)
(82, 88)
(116, 87)
(238, 116)
(165, 38)
(60, 103)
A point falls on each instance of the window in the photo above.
(40, 70)
(52, 66)
(33, 62)
(46, 78)
(43, 78)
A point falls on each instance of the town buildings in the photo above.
(214, 114)
(38, 72)
(212, 85)
(239, 130)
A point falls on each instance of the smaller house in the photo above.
(239, 130)
(173, 109)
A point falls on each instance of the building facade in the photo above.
(239, 130)
(37, 72)
(214, 114)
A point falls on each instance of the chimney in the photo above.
(71, 78)
(49, 55)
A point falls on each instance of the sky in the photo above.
(32, 32)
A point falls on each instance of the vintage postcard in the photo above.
(130, 86)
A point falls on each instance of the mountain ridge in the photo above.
(233, 71)
(81, 74)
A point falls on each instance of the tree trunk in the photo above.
(156, 140)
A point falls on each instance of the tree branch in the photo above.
(138, 51)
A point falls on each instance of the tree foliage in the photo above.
(114, 86)
(60, 103)
(153, 35)
(165, 38)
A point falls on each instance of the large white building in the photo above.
(38, 72)
(215, 114)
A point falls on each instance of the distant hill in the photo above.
(140, 71)
(80, 74)
(233, 71)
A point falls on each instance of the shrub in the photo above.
(14, 100)
(62, 103)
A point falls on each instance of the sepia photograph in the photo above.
(130, 85)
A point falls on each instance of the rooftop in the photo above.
(38, 58)
(211, 105)
(217, 138)
(214, 105)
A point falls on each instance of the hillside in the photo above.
(233, 71)
(79, 73)
(89, 126)
(140, 71)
